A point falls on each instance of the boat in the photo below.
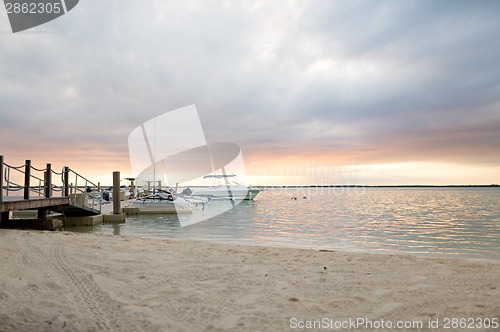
(224, 187)
(162, 202)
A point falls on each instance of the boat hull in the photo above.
(163, 206)
(223, 193)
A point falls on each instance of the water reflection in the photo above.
(425, 220)
(116, 229)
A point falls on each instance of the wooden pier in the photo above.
(79, 201)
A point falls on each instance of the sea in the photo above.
(430, 221)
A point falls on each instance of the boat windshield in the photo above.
(218, 180)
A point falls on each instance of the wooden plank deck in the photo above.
(18, 203)
(58, 204)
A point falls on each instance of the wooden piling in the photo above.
(66, 181)
(4, 215)
(42, 214)
(48, 181)
(116, 193)
(1, 179)
(27, 177)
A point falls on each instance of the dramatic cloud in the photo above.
(345, 81)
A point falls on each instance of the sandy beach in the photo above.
(86, 282)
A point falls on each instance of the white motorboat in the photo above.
(197, 199)
(225, 187)
(163, 202)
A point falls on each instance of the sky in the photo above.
(313, 92)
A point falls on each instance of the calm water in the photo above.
(433, 221)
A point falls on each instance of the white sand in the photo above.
(85, 282)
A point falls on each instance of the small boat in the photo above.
(163, 202)
(197, 199)
(125, 193)
(226, 187)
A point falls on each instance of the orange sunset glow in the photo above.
(312, 94)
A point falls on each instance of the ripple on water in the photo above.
(437, 221)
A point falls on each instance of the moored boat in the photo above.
(162, 202)
(226, 187)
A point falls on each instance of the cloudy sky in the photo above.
(374, 92)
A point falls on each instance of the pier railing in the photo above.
(36, 183)
(82, 192)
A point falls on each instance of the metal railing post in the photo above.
(75, 189)
(1, 179)
(7, 178)
(93, 197)
(48, 181)
(27, 176)
(86, 194)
